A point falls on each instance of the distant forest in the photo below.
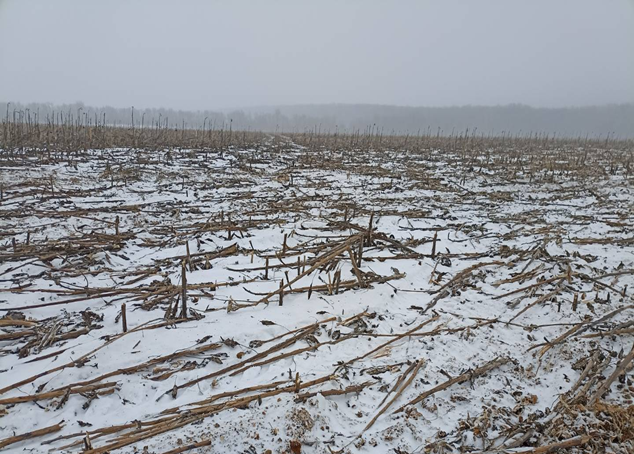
(613, 121)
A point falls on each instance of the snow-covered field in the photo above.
(356, 301)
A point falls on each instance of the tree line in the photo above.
(608, 121)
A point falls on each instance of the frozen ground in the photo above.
(490, 307)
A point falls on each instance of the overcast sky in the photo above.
(233, 53)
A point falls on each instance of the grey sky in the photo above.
(233, 53)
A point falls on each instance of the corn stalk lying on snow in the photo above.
(313, 293)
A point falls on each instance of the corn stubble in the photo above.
(421, 180)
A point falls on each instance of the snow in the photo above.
(166, 203)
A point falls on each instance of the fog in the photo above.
(199, 55)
